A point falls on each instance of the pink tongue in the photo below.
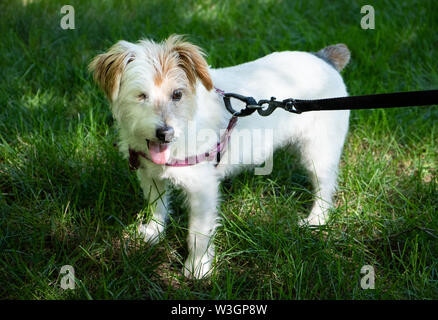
(159, 152)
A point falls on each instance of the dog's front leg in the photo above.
(154, 191)
(202, 225)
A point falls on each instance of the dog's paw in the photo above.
(317, 217)
(151, 232)
(312, 221)
(198, 268)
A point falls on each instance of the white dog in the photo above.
(159, 91)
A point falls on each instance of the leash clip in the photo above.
(287, 104)
(250, 104)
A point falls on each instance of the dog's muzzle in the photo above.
(165, 134)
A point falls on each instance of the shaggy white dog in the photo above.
(164, 96)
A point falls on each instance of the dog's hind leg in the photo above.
(321, 154)
(155, 192)
(324, 182)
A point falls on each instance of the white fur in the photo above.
(320, 135)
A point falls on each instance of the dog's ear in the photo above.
(107, 68)
(191, 60)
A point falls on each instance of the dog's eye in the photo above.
(177, 95)
(142, 97)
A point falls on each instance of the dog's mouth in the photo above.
(159, 152)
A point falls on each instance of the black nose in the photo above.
(165, 134)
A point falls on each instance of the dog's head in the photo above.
(152, 87)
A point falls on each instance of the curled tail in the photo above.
(337, 55)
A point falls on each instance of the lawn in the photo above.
(68, 198)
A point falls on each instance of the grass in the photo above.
(67, 196)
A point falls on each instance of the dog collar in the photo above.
(215, 152)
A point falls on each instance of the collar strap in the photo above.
(215, 152)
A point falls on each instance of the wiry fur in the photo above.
(155, 69)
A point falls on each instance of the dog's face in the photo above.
(152, 87)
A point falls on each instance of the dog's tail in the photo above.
(337, 55)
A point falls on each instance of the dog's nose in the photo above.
(165, 134)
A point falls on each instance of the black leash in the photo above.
(373, 101)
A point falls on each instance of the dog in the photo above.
(160, 91)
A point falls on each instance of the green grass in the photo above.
(67, 196)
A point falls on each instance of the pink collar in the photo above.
(215, 152)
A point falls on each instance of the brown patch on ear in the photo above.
(108, 67)
(191, 60)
